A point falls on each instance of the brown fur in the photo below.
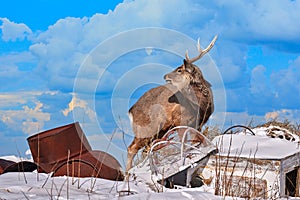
(186, 99)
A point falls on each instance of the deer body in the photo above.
(186, 99)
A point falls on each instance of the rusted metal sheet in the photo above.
(66, 151)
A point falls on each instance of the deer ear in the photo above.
(185, 63)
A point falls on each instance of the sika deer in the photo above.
(186, 99)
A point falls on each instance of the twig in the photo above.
(50, 195)
(156, 187)
(83, 183)
(25, 195)
(103, 158)
(22, 164)
(68, 171)
(226, 165)
(79, 166)
(38, 156)
(218, 167)
(237, 156)
(59, 193)
(254, 177)
(49, 175)
(126, 173)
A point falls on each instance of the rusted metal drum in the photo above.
(50, 148)
(66, 151)
(23, 166)
(11, 166)
(92, 164)
(4, 164)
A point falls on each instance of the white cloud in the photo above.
(64, 30)
(276, 21)
(9, 73)
(286, 85)
(82, 104)
(61, 50)
(258, 79)
(14, 99)
(28, 120)
(230, 71)
(27, 112)
(12, 31)
(259, 20)
(292, 115)
(16, 57)
(271, 116)
(238, 118)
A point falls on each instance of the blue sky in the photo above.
(65, 61)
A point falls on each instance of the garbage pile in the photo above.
(65, 151)
(176, 158)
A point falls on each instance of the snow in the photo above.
(42, 186)
(15, 158)
(260, 146)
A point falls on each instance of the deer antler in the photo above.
(201, 52)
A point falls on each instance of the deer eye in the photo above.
(179, 70)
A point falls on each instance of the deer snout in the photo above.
(167, 78)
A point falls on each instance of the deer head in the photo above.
(189, 73)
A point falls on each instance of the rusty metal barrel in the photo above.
(4, 164)
(92, 164)
(65, 150)
(11, 166)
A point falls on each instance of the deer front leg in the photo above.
(132, 150)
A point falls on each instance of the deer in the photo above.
(185, 100)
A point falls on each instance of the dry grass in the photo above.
(236, 177)
(211, 132)
(293, 128)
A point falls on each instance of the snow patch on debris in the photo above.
(271, 142)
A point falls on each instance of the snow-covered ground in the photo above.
(33, 185)
(41, 186)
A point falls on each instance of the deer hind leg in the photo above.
(132, 150)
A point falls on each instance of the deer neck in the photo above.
(195, 92)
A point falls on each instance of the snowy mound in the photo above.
(15, 158)
(272, 142)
